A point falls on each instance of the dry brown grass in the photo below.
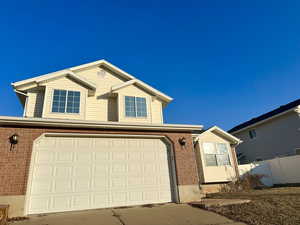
(274, 206)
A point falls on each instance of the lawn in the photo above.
(274, 206)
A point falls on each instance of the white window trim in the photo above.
(136, 117)
(51, 107)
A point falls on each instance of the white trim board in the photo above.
(42, 122)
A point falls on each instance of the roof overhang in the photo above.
(220, 132)
(295, 109)
(142, 85)
(38, 81)
(100, 63)
(41, 122)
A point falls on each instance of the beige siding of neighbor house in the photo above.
(274, 138)
(211, 174)
(102, 105)
(64, 83)
(154, 106)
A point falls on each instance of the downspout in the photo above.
(26, 100)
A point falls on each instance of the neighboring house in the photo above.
(92, 136)
(273, 134)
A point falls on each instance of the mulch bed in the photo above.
(274, 206)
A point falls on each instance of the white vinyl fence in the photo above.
(285, 170)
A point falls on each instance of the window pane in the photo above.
(130, 106)
(73, 104)
(222, 148)
(223, 160)
(210, 160)
(252, 133)
(141, 107)
(59, 101)
(209, 148)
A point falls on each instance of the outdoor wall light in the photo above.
(182, 141)
(14, 139)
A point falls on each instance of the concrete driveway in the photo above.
(169, 214)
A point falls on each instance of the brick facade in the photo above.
(14, 165)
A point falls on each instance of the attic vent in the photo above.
(101, 73)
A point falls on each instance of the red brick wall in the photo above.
(14, 165)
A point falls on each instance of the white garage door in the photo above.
(75, 173)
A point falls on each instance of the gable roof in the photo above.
(99, 63)
(276, 112)
(217, 130)
(61, 73)
(144, 86)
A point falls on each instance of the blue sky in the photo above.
(223, 62)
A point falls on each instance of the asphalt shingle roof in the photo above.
(267, 115)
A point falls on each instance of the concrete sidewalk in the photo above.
(169, 214)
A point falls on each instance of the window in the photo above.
(297, 151)
(252, 134)
(135, 106)
(216, 154)
(66, 101)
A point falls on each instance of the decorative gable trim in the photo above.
(100, 63)
(218, 131)
(46, 78)
(141, 84)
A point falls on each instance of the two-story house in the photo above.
(273, 134)
(93, 136)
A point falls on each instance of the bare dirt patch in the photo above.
(274, 206)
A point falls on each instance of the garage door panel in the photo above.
(119, 156)
(62, 186)
(84, 157)
(61, 203)
(85, 173)
(43, 171)
(102, 156)
(100, 200)
(99, 170)
(44, 157)
(82, 185)
(118, 183)
(82, 201)
(63, 171)
(82, 171)
(42, 187)
(135, 168)
(40, 204)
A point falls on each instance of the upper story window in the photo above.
(66, 101)
(135, 106)
(252, 134)
(216, 154)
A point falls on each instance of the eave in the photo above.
(62, 123)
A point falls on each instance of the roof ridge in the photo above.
(264, 116)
